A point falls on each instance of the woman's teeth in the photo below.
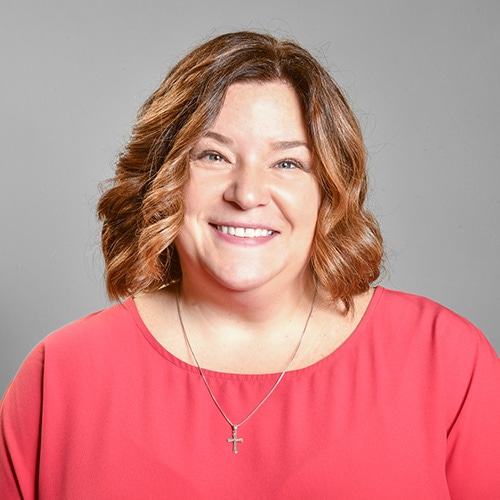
(245, 232)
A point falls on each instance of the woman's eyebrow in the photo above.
(219, 137)
(281, 145)
(278, 145)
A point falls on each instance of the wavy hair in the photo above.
(142, 207)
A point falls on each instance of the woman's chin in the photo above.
(245, 280)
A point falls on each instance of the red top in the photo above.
(407, 408)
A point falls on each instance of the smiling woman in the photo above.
(252, 172)
(152, 172)
(252, 356)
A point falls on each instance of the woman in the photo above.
(251, 356)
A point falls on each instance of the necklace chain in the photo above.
(235, 440)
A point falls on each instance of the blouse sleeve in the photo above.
(473, 461)
(20, 423)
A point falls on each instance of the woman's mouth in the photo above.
(245, 232)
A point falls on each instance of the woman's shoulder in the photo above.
(64, 346)
(408, 306)
(425, 320)
(95, 335)
(84, 348)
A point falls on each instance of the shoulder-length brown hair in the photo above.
(142, 210)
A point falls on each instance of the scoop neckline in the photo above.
(171, 358)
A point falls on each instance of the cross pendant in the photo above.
(235, 439)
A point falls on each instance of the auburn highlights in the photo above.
(142, 210)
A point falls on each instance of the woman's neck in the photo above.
(248, 331)
(253, 309)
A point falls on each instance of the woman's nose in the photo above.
(248, 187)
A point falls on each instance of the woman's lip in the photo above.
(243, 225)
(244, 232)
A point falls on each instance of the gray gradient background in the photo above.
(423, 77)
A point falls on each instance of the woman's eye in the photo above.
(207, 155)
(214, 157)
(288, 165)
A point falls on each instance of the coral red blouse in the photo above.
(407, 408)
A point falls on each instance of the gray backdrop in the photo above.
(422, 76)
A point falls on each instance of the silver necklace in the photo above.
(234, 439)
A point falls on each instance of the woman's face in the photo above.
(252, 199)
